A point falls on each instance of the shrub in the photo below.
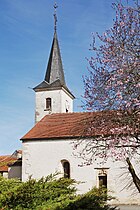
(49, 194)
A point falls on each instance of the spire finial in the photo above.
(55, 16)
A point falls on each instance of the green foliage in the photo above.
(49, 194)
(93, 200)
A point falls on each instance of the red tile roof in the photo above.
(71, 125)
(4, 161)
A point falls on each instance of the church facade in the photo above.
(48, 147)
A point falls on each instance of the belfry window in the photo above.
(66, 169)
(67, 106)
(48, 104)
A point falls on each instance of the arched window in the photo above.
(66, 168)
(48, 104)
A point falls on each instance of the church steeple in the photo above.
(54, 76)
(54, 70)
(52, 95)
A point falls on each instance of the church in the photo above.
(48, 147)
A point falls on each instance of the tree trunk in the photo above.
(136, 180)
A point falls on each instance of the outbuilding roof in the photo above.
(5, 160)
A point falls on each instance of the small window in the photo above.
(103, 180)
(48, 104)
(66, 169)
(102, 177)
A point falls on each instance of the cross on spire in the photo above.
(55, 16)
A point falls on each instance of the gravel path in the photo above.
(129, 207)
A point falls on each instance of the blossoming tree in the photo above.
(113, 83)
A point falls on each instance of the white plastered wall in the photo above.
(41, 158)
(60, 101)
(15, 172)
(5, 174)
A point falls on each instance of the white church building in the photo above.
(48, 147)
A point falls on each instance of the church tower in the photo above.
(52, 95)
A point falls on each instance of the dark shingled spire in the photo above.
(54, 78)
(55, 69)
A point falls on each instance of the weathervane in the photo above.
(55, 17)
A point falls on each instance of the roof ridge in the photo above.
(84, 112)
(6, 156)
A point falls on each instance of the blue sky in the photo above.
(26, 32)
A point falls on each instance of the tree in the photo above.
(113, 83)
